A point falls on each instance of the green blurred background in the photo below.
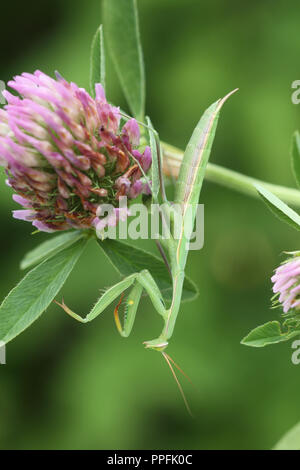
(71, 386)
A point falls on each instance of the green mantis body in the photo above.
(187, 194)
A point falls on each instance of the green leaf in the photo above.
(121, 30)
(196, 155)
(154, 168)
(296, 156)
(28, 300)
(279, 208)
(97, 72)
(129, 260)
(269, 333)
(291, 440)
(50, 248)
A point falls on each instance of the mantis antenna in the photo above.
(168, 360)
(180, 370)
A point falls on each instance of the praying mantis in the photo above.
(174, 251)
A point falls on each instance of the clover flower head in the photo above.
(66, 153)
(286, 282)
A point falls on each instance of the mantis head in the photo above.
(156, 344)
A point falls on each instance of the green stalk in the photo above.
(229, 178)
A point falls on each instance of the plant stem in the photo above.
(228, 178)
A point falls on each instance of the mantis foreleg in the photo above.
(138, 282)
(132, 303)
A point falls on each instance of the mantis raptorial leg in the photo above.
(138, 282)
(132, 303)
